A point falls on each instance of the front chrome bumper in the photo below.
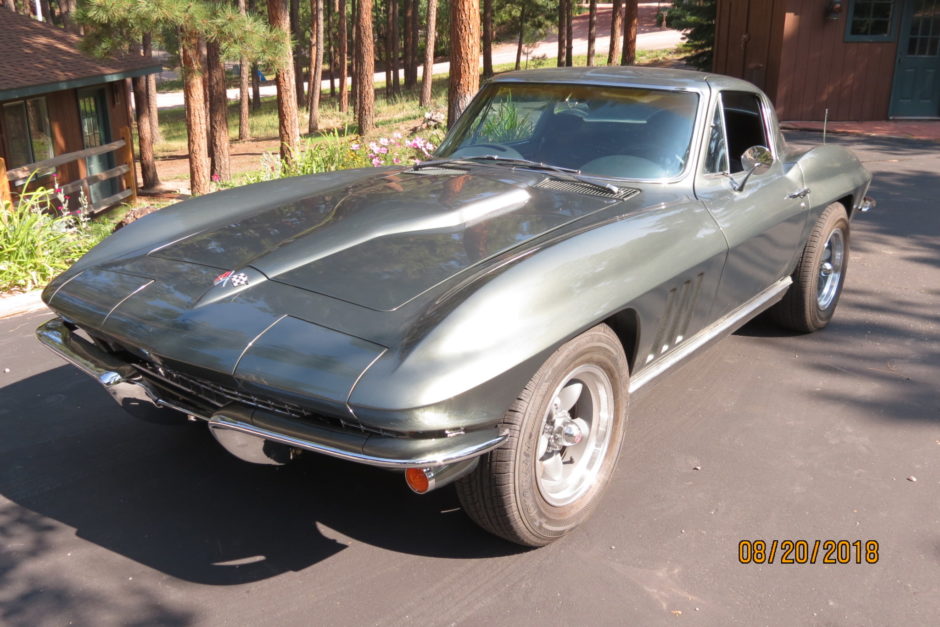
(242, 427)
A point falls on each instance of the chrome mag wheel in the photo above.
(575, 435)
(830, 269)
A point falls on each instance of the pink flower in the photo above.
(373, 147)
(383, 150)
(396, 135)
(396, 160)
(355, 147)
(376, 162)
(216, 178)
(383, 141)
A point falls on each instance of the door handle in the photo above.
(803, 193)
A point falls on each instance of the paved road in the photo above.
(107, 520)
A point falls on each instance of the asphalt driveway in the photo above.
(767, 435)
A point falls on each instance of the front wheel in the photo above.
(817, 282)
(565, 431)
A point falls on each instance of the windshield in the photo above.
(621, 132)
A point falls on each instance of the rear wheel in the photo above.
(565, 431)
(817, 282)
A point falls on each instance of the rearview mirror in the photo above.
(757, 159)
(754, 160)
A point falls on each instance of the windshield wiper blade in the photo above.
(562, 172)
(570, 174)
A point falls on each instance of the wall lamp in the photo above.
(833, 9)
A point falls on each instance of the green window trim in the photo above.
(865, 21)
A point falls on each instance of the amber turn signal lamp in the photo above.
(417, 480)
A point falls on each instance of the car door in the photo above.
(762, 218)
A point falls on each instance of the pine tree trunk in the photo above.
(430, 41)
(316, 64)
(343, 54)
(562, 33)
(387, 50)
(569, 38)
(255, 87)
(331, 44)
(592, 31)
(487, 38)
(396, 56)
(298, 53)
(521, 37)
(220, 161)
(194, 94)
(244, 77)
(411, 78)
(152, 92)
(286, 96)
(68, 8)
(464, 56)
(616, 26)
(631, 17)
(148, 167)
(353, 61)
(365, 68)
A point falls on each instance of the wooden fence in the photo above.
(125, 170)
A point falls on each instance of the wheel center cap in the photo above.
(826, 269)
(568, 433)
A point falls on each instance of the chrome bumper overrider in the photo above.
(244, 430)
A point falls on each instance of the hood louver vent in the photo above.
(587, 189)
(433, 171)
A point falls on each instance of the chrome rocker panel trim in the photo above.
(126, 387)
(714, 332)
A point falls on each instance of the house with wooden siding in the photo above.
(64, 112)
(850, 60)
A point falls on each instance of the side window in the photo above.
(27, 126)
(744, 125)
(717, 158)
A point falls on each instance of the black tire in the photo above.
(509, 494)
(812, 298)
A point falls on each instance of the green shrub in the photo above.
(38, 239)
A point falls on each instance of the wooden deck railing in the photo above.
(11, 179)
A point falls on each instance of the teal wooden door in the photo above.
(916, 89)
(96, 130)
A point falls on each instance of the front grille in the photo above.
(196, 390)
(585, 188)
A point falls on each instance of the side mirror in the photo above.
(755, 160)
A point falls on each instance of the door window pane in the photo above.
(924, 38)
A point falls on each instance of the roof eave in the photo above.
(75, 83)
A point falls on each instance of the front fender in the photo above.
(509, 323)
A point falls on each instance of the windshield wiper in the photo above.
(565, 173)
(561, 172)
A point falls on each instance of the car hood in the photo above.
(278, 289)
(382, 241)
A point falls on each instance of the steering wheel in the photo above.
(481, 150)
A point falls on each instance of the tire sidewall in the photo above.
(833, 218)
(541, 518)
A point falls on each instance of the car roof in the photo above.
(630, 75)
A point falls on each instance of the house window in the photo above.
(26, 123)
(870, 20)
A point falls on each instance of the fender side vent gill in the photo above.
(584, 188)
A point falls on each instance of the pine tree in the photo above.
(697, 17)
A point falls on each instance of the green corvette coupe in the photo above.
(481, 317)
